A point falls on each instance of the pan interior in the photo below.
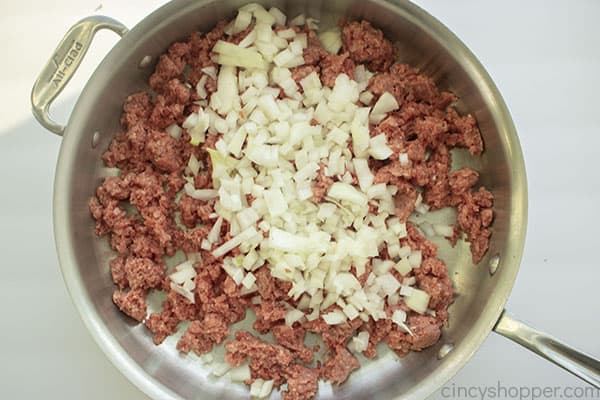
(423, 42)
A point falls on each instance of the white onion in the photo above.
(386, 103)
(280, 17)
(292, 316)
(200, 194)
(346, 192)
(234, 242)
(266, 389)
(335, 317)
(403, 157)
(417, 301)
(219, 368)
(232, 55)
(174, 130)
(403, 266)
(240, 374)
(331, 40)
(378, 148)
(415, 258)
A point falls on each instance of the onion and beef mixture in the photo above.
(285, 163)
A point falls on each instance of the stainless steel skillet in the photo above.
(424, 42)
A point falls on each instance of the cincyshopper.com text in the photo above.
(500, 391)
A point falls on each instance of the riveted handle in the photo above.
(62, 66)
(576, 362)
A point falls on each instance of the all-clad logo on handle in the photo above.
(63, 66)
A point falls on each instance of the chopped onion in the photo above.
(194, 164)
(292, 316)
(415, 258)
(280, 17)
(200, 194)
(399, 316)
(234, 242)
(403, 157)
(386, 103)
(417, 301)
(360, 342)
(266, 389)
(403, 266)
(240, 374)
(219, 368)
(215, 231)
(174, 130)
(363, 173)
(378, 148)
(347, 192)
(335, 317)
(331, 40)
(232, 55)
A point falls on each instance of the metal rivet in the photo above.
(95, 139)
(445, 350)
(145, 62)
(494, 263)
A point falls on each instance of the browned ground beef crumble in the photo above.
(152, 162)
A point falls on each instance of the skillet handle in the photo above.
(62, 66)
(579, 364)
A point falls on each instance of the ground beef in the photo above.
(301, 72)
(338, 367)
(132, 303)
(333, 65)
(302, 383)
(366, 44)
(293, 339)
(143, 273)
(202, 335)
(267, 361)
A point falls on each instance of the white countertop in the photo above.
(545, 60)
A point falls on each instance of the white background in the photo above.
(545, 58)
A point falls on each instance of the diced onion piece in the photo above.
(200, 194)
(334, 317)
(363, 173)
(282, 240)
(279, 16)
(406, 290)
(256, 387)
(417, 301)
(344, 191)
(266, 389)
(388, 283)
(350, 311)
(378, 148)
(331, 40)
(399, 316)
(360, 342)
(215, 231)
(174, 130)
(234, 242)
(386, 103)
(194, 164)
(240, 374)
(298, 20)
(415, 258)
(403, 158)
(403, 266)
(210, 71)
(219, 368)
(182, 291)
(275, 201)
(292, 316)
(241, 22)
(232, 55)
